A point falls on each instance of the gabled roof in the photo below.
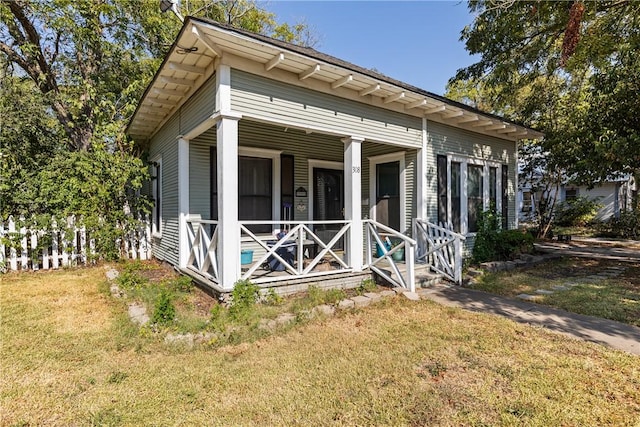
(201, 42)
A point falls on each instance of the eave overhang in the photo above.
(201, 44)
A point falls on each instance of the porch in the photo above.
(285, 208)
(300, 257)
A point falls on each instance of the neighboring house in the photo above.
(251, 139)
(615, 196)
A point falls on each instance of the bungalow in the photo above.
(613, 195)
(285, 166)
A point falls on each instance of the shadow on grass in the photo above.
(594, 329)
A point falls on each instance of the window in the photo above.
(493, 187)
(443, 189)
(156, 194)
(475, 198)
(456, 195)
(527, 201)
(255, 195)
(259, 191)
(505, 197)
(474, 186)
(570, 194)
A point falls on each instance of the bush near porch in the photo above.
(492, 243)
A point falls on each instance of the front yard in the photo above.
(579, 285)
(70, 356)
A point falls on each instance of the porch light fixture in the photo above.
(172, 5)
(301, 192)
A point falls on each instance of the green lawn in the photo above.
(69, 356)
(615, 298)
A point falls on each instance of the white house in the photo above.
(614, 195)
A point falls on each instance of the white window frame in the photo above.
(373, 182)
(156, 190)
(274, 155)
(464, 162)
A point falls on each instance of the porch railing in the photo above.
(440, 247)
(378, 236)
(298, 251)
(203, 246)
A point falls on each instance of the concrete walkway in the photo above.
(608, 332)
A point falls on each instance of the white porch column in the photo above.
(228, 225)
(183, 200)
(421, 175)
(353, 199)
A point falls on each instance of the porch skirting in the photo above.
(338, 280)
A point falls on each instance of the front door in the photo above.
(388, 194)
(328, 202)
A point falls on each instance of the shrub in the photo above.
(512, 243)
(494, 244)
(244, 296)
(626, 226)
(577, 213)
(333, 296)
(367, 285)
(164, 311)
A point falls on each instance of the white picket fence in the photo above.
(61, 249)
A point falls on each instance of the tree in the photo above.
(29, 138)
(72, 73)
(563, 67)
(82, 60)
(91, 59)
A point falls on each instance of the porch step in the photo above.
(425, 278)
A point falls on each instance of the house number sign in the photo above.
(355, 169)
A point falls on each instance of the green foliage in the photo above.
(494, 244)
(367, 285)
(164, 311)
(130, 281)
(572, 72)
(626, 226)
(71, 74)
(244, 297)
(333, 296)
(314, 297)
(182, 284)
(577, 212)
(272, 298)
(218, 317)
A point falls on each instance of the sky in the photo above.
(416, 42)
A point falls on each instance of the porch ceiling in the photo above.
(201, 44)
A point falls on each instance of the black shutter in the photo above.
(505, 197)
(213, 183)
(286, 187)
(442, 189)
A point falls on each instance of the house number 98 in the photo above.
(355, 169)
